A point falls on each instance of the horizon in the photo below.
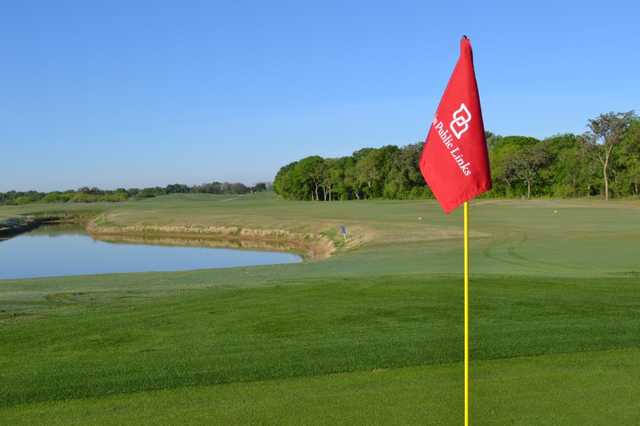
(78, 188)
(94, 98)
(249, 184)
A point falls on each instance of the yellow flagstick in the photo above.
(466, 313)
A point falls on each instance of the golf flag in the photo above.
(454, 159)
(455, 163)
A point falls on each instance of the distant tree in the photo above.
(504, 151)
(404, 179)
(284, 183)
(605, 133)
(527, 163)
(331, 174)
(312, 170)
(629, 161)
(150, 192)
(372, 168)
(259, 187)
(238, 188)
(351, 184)
(569, 169)
(57, 197)
(492, 139)
(177, 188)
(87, 194)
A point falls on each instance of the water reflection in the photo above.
(68, 250)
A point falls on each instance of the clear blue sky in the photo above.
(140, 93)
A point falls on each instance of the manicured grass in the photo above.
(370, 336)
(594, 388)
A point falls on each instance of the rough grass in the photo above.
(371, 336)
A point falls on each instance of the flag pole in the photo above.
(466, 313)
(457, 133)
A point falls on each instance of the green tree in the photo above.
(628, 180)
(605, 133)
(311, 170)
(372, 168)
(503, 152)
(527, 163)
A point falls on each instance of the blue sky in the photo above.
(141, 93)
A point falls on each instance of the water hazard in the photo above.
(59, 250)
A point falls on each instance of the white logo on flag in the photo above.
(460, 122)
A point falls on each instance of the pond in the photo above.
(58, 250)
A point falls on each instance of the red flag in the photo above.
(454, 159)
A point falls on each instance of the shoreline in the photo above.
(308, 246)
(15, 226)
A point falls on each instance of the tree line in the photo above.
(90, 195)
(604, 161)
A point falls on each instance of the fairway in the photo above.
(369, 335)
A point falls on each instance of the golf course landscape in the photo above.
(368, 329)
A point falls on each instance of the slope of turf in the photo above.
(555, 322)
